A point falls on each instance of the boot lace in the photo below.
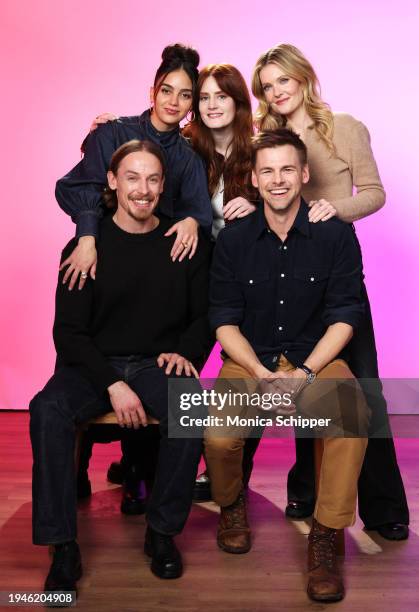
(236, 516)
(323, 546)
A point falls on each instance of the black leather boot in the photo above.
(166, 561)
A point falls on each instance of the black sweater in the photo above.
(141, 303)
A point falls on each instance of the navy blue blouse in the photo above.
(79, 193)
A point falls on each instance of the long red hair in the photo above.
(236, 168)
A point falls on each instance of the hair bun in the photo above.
(181, 52)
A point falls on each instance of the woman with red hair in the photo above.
(220, 132)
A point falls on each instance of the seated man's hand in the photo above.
(176, 360)
(285, 383)
(127, 405)
(81, 261)
(293, 381)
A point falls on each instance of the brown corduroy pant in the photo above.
(342, 456)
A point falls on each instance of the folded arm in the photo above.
(370, 195)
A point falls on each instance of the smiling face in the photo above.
(283, 93)
(138, 184)
(172, 101)
(216, 108)
(279, 176)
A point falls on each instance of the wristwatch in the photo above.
(311, 377)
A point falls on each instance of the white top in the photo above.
(217, 202)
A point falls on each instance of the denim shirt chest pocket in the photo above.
(256, 288)
(310, 282)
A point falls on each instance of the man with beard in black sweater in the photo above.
(118, 341)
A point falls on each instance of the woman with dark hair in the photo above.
(220, 133)
(340, 159)
(185, 198)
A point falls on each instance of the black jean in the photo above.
(69, 400)
(381, 494)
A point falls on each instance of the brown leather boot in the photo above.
(233, 529)
(325, 580)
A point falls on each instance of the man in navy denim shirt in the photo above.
(285, 298)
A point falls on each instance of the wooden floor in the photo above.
(380, 575)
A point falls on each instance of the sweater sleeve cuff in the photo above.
(104, 378)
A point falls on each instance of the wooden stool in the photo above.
(110, 419)
(105, 419)
(318, 457)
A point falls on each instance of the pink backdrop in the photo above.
(64, 62)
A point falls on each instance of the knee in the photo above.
(44, 412)
(364, 416)
(36, 407)
(222, 447)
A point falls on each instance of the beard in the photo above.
(137, 212)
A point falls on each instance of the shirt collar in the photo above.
(301, 223)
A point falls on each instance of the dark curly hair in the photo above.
(178, 57)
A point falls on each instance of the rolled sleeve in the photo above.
(226, 297)
(343, 300)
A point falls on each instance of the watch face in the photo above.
(311, 378)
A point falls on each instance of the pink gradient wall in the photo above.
(64, 62)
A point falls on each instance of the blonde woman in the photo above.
(340, 159)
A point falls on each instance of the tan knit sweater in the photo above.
(334, 177)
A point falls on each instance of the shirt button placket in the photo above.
(283, 248)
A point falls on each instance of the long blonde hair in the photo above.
(294, 64)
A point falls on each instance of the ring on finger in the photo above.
(83, 275)
(185, 244)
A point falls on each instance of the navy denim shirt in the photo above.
(284, 295)
(79, 193)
